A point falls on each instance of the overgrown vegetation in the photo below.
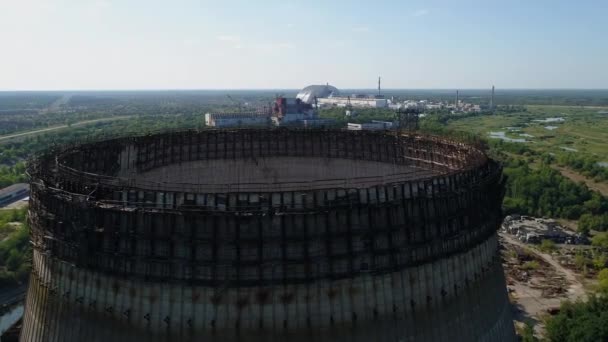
(547, 246)
(12, 174)
(580, 321)
(361, 115)
(544, 192)
(15, 250)
(534, 186)
(588, 166)
(530, 265)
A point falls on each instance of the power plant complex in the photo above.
(267, 235)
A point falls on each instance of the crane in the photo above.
(237, 103)
(349, 108)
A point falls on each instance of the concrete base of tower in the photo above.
(460, 298)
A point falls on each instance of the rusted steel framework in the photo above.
(91, 210)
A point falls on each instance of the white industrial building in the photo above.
(355, 101)
(236, 119)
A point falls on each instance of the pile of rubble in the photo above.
(534, 230)
(524, 267)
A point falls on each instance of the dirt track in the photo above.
(602, 188)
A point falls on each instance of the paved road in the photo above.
(54, 128)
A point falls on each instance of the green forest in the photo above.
(15, 250)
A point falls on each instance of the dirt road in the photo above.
(601, 187)
(575, 288)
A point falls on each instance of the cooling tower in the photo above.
(266, 235)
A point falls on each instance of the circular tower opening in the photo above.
(265, 235)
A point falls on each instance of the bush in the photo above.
(599, 261)
(600, 240)
(530, 265)
(580, 321)
(589, 222)
(547, 246)
(15, 251)
(602, 279)
(581, 262)
(527, 334)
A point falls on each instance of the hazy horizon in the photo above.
(372, 90)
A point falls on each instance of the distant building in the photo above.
(287, 110)
(312, 92)
(356, 101)
(316, 122)
(13, 193)
(296, 112)
(375, 125)
(284, 111)
(220, 120)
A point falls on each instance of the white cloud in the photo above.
(290, 25)
(229, 38)
(361, 29)
(421, 12)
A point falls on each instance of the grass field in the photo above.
(583, 131)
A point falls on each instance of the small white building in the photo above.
(375, 125)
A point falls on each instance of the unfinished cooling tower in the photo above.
(267, 235)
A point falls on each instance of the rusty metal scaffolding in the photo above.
(239, 235)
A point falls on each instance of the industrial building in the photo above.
(311, 93)
(224, 120)
(374, 125)
(291, 111)
(356, 101)
(283, 112)
(327, 95)
(267, 235)
(13, 193)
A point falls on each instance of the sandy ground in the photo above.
(528, 302)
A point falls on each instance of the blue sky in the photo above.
(187, 44)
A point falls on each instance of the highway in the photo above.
(10, 296)
(9, 137)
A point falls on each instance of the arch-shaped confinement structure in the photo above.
(266, 235)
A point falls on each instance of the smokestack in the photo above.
(457, 99)
(492, 99)
(379, 85)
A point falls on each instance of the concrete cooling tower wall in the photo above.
(267, 235)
